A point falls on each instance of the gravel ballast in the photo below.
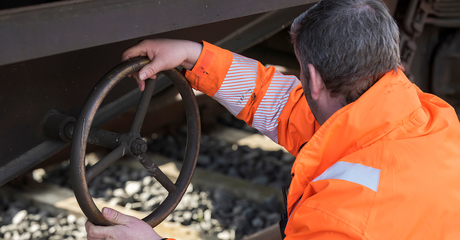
(216, 212)
(20, 220)
(271, 168)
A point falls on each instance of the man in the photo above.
(376, 158)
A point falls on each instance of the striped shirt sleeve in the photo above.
(238, 85)
(273, 103)
(263, 97)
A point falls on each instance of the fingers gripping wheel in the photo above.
(131, 143)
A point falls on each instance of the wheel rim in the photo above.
(127, 142)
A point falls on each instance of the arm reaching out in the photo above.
(265, 99)
(127, 228)
(164, 54)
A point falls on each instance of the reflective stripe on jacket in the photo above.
(386, 166)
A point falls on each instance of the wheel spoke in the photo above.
(156, 172)
(104, 163)
(143, 106)
(103, 138)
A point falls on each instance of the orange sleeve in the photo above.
(265, 99)
(210, 70)
(297, 124)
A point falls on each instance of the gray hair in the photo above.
(351, 43)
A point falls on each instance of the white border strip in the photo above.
(352, 172)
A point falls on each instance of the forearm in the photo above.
(253, 93)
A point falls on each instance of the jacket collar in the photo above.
(376, 113)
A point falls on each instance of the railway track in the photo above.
(235, 192)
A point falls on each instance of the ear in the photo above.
(316, 82)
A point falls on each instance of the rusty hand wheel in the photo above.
(131, 143)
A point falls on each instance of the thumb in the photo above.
(116, 217)
(156, 65)
(148, 71)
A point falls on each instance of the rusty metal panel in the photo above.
(47, 29)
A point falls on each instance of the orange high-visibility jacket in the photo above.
(386, 166)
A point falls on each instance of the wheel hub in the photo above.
(138, 146)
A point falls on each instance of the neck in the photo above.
(328, 106)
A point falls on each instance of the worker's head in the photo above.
(344, 47)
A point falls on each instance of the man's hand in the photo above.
(127, 228)
(164, 54)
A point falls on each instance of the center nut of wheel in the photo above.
(138, 146)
